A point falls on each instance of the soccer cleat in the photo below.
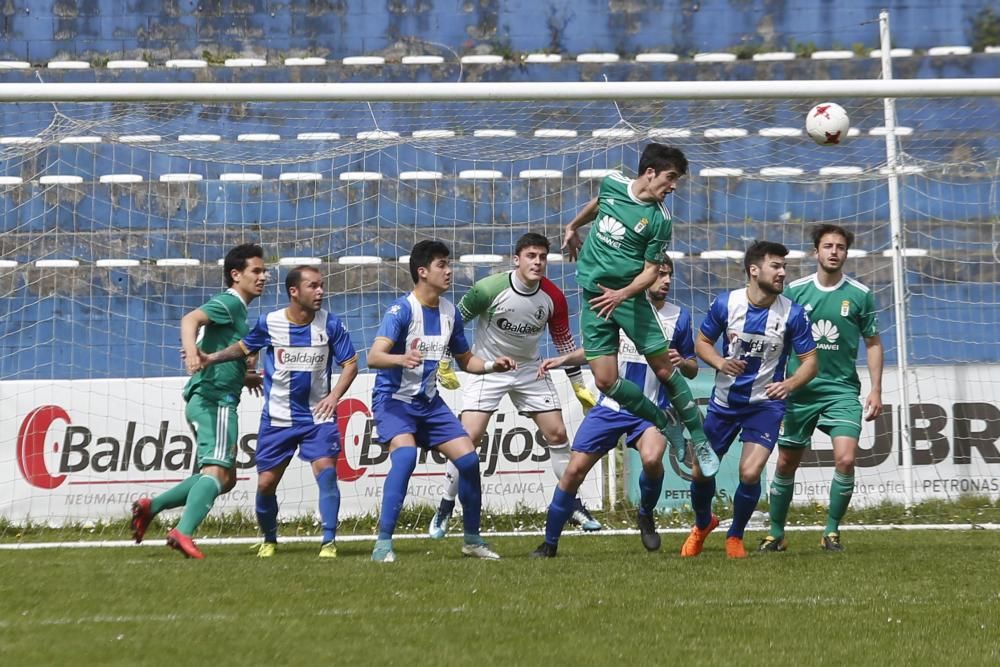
(584, 519)
(328, 550)
(439, 524)
(708, 460)
(769, 544)
(695, 541)
(479, 550)
(142, 516)
(265, 549)
(544, 550)
(183, 543)
(647, 531)
(831, 542)
(735, 548)
(383, 553)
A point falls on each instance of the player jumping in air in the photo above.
(759, 328)
(617, 264)
(842, 311)
(514, 308)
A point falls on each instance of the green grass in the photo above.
(913, 597)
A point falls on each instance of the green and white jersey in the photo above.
(227, 314)
(841, 315)
(513, 316)
(626, 233)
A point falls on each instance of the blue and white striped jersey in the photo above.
(763, 337)
(676, 324)
(298, 363)
(409, 324)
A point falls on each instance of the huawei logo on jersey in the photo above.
(825, 330)
(610, 231)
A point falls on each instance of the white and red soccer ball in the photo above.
(827, 124)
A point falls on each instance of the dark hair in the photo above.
(294, 277)
(423, 255)
(758, 250)
(820, 231)
(530, 240)
(236, 259)
(661, 157)
(666, 260)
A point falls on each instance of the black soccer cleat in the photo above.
(647, 531)
(770, 544)
(544, 550)
(831, 542)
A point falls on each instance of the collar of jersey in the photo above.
(520, 287)
(233, 291)
(843, 279)
(298, 324)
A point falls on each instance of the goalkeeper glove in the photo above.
(446, 375)
(584, 395)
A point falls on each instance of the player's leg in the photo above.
(396, 424)
(553, 430)
(842, 421)
(721, 428)
(320, 446)
(797, 428)
(651, 446)
(474, 422)
(275, 447)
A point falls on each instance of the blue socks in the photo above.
(560, 510)
(267, 516)
(701, 502)
(649, 492)
(402, 463)
(329, 502)
(470, 493)
(744, 503)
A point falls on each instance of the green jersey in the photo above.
(627, 233)
(841, 315)
(227, 314)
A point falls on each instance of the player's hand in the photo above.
(326, 408)
(777, 391)
(584, 395)
(254, 383)
(675, 358)
(606, 302)
(446, 375)
(733, 367)
(873, 405)
(571, 243)
(504, 364)
(194, 360)
(411, 358)
(547, 365)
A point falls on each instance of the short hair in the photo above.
(294, 277)
(819, 231)
(661, 157)
(665, 260)
(529, 240)
(423, 255)
(758, 250)
(236, 259)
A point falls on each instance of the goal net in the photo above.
(115, 216)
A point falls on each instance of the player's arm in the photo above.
(571, 237)
(235, 351)
(327, 406)
(807, 370)
(876, 356)
(704, 347)
(470, 363)
(191, 324)
(682, 354)
(576, 358)
(380, 355)
(609, 299)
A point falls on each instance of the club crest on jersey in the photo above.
(845, 308)
(540, 313)
(641, 225)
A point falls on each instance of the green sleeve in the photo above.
(217, 310)
(478, 299)
(869, 317)
(659, 236)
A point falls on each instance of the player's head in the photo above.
(244, 269)
(664, 278)
(764, 263)
(661, 167)
(429, 262)
(304, 286)
(531, 257)
(831, 243)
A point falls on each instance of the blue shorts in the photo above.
(277, 444)
(431, 423)
(602, 428)
(759, 423)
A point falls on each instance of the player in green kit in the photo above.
(842, 311)
(212, 395)
(617, 263)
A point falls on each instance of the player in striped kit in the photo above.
(608, 422)
(300, 344)
(514, 309)
(760, 328)
(415, 333)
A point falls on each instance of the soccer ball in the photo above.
(827, 124)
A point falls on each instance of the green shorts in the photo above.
(215, 429)
(836, 416)
(634, 316)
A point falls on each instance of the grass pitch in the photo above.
(915, 597)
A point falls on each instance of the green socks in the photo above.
(782, 489)
(630, 396)
(199, 503)
(687, 409)
(841, 490)
(173, 497)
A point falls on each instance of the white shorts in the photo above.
(527, 391)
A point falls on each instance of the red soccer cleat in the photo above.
(142, 516)
(184, 544)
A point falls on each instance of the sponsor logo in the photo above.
(432, 347)
(610, 232)
(308, 359)
(744, 345)
(518, 328)
(825, 333)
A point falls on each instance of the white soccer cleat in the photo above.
(481, 550)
